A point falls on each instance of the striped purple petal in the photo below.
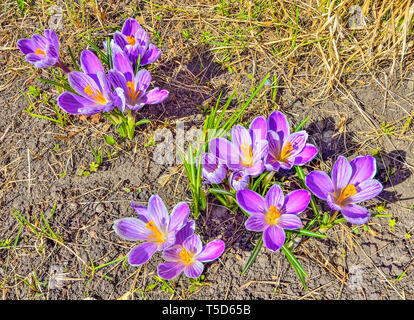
(289, 221)
(296, 202)
(157, 211)
(131, 229)
(274, 238)
(275, 197)
(363, 168)
(211, 251)
(141, 253)
(319, 183)
(367, 190)
(307, 154)
(179, 216)
(193, 244)
(251, 202)
(194, 270)
(355, 214)
(256, 222)
(151, 55)
(170, 270)
(277, 122)
(341, 173)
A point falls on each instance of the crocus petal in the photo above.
(258, 129)
(319, 183)
(251, 202)
(179, 216)
(39, 42)
(26, 46)
(256, 222)
(239, 180)
(118, 99)
(120, 39)
(341, 173)
(141, 253)
(212, 170)
(131, 229)
(172, 253)
(193, 244)
(45, 63)
(157, 211)
(271, 164)
(75, 104)
(155, 96)
(289, 221)
(142, 211)
(363, 168)
(52, 51)
(90, 63)
(142, 39)
(255, 170)
(331, 202)
(122, 64)
(151, 55)
(355, 214)
(194, 270)
(185, 232)
(277, 122)
(143, 80)
(307, 154)
(296, 201)
(275, 197)
(225, 151)
(275, 144)
(274, 238)
(298, 141)
(240, 136)
(260, 149)
(169, 270)
(368, 189)
(79, 81)
(130, 27)
(33, 58)
(118, 80)
(53, 38)
(211, 251)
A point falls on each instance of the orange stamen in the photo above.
(131, 40)
(157, 235)
(40, 51)
(131, 90)
(345, 193)
(272, 215)
(186, 257)
(247, 155)
(96, 95)
(286, 151)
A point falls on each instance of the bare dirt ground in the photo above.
(359, 97)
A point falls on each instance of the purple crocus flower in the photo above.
(352, 182)
(93, 88)
(133, 86)
(213, 170)
(274, 213)
(134, 41)
(246, 150)
(286, 150)
(154, 227)
(189, 257)
(41, 51)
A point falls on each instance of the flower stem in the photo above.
(63, 66)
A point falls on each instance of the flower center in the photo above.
(40, 51)
(96, 95)
(286, 151)
(131, 40)
(157, 235)
(272, 215)
(186, 257)
(131, 90)
(247, 155)
(345, 193)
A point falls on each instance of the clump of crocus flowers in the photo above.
(269, 146)
(124, 87)
(172, 234)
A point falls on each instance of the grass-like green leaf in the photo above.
(253, 255)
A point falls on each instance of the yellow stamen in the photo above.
(286, 151)
(186, 257)
(131, 90)
(345, 193)
(247, 156)
(131, 40)
(40, 51)
(157, 235)
(96, 95)
(272, 215)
